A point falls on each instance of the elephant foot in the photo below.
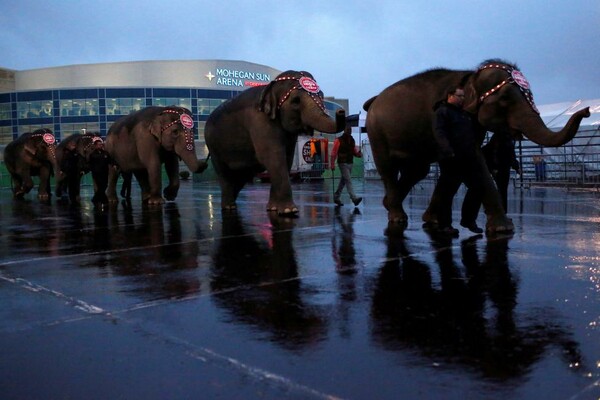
(397, 217)
(290, 210)
(155, 200)
(43, 197)
(395, 230)
(170, 193)
(501, 224)
(229, 207)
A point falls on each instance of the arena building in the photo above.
(90, 97)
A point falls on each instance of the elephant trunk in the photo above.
(532, 126)
(323, 123)
(58, 174)
(192, 162)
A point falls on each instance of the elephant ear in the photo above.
(155, 128)
(268, 100)
(471, 96)
(29, 150)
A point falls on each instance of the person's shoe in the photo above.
(472, 226)
(338, 202)
(357, 201)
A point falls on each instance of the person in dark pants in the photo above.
(499, 154)
(458, 135)
(344, 149)
(99, 162)
(70, 162)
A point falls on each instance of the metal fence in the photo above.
(575, 164)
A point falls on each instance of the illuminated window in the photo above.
(78, 107)
(34, 109)
(67, 130)
(206, 106)
(5, 111)
(33, 127)
(124, 106)
(5, 134)
(172, 101)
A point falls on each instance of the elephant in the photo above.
(31, 154)
(399, 127)
(77, 155)
(258, 130)
(140, 142)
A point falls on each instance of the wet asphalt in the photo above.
(184, 301)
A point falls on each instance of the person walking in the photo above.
(500, 157)
(458, 135)
(344, 149)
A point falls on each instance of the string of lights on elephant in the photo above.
(516, 77)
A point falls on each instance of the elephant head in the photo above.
(294, 98)
(40, 148)
(173, 128)
(500, 95)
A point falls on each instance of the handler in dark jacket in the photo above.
(99, 162)
(458, 136)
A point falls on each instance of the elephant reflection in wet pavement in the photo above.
(470, 318)
(255, 278)
(158, 263)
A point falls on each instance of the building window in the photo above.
(172, 101)
(5, 111)
(78, 107)
(124, 106)
(5, 134)
(207, 106)
(67, 130)
(34, 109)
(33, 127)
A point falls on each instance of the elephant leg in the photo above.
(44, 187)
(231, 185)
(154, 181)
(144, 181)
(27, 184)
(280, 195)
(17, 186)
(398, 188)
(111, 190)
(497, 221)
(172, 168)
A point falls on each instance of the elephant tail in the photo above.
(368, 103)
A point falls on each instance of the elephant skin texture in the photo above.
(400, 129)
(31, 154)
(141, 142)
(258, 130)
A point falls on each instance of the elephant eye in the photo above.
(295, 100)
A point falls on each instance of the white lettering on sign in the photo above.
(233, 77)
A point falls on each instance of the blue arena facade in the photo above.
(90, 97)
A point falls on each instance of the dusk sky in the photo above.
(354, 49)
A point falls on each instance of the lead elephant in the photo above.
(142, 141)
(31, 154)
(77, 155)
(258, 130)
(399, 126)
